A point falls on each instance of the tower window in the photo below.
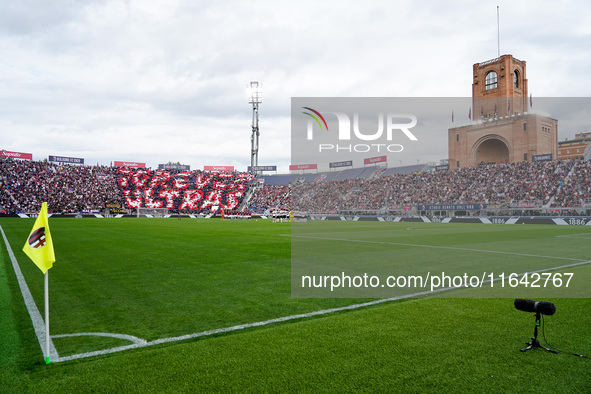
(516, 79)
(490, 82)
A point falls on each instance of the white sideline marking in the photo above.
(279, 319)
(244, 326)
(139, 342)
(576, 236)
(36, 319)
(436, 247)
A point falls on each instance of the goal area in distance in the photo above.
(152, 212)
(291, 216)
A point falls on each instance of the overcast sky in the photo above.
(159, 81)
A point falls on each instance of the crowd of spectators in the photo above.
(71, 189)
(549, 184)
(183, 191)
(575, 190)
(66, 188)
(26, 184)
(270, 198)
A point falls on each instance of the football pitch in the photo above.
(174, 305)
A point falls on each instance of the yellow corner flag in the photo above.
(39, 246)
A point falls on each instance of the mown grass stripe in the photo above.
(141, 343)
(434, 247)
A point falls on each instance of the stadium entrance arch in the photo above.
(491, 148)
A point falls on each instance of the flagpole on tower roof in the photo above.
(498, 34)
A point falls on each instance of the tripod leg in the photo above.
(535, 342)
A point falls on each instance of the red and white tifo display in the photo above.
(188, 191)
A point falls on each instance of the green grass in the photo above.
(381, 250)
(160, 278)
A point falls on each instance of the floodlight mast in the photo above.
(255, 98)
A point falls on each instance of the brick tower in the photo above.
(502, 129)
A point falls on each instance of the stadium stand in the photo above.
(72, 189)
(276, 179)
(548, 184)
(183, 191)
(269, 198)
(404, 170)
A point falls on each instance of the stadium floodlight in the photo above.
(539, 308)
(255, 98)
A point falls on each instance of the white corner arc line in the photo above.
(139, 343)
(246, 325)
(36, 319)
(284, 319)
(131, 338)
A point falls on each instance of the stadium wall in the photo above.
(558, 220)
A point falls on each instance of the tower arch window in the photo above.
(516, 79)
(490, 82)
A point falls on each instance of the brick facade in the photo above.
(502, 129)
(575, 148)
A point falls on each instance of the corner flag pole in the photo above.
(39, 248)
(47, 353)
